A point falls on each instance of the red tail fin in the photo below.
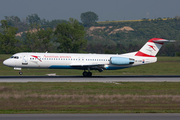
(151, 48)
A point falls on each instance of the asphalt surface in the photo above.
(90, 79)
(155, 116)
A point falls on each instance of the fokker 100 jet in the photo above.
(147, 54)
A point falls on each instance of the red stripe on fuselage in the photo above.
(36, 57)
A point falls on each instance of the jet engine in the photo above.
(121, 61)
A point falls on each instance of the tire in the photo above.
(20, 73)
(89, 74)
(85, 74)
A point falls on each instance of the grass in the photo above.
(92, 97)
(164, 66)
(124, 97)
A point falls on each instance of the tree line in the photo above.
(67, 37)
(87, 19)
(40, 35)
(70, 36)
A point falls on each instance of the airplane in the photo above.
(87, 62)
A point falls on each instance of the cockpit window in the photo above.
(15, 57)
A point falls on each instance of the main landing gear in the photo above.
(87, 74)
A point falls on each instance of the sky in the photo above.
(106, 9)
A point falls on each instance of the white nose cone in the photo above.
(8, 62)
(5, 62)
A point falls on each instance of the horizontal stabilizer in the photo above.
(163, 41)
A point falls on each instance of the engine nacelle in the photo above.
(121, 61)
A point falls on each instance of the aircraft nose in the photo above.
(6, 62)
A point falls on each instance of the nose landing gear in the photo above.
(20, 73)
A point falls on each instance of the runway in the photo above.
(155, 116)
(106, 79)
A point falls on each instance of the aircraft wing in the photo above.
(99, 67)
(87, 65)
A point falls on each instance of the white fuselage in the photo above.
(72, 61)
(147, 54)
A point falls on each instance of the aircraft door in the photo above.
(24, 59)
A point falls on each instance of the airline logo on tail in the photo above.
(151, 48)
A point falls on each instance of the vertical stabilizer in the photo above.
(151, 48)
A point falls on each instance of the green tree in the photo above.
(88, 18)
(15, 21)
(12, 20)
(70, 36)
(8, 42)
(44, 37)
(34, 18)
(31, 41)
(38, 39)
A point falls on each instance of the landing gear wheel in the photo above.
(20, 73)
(87, 74)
